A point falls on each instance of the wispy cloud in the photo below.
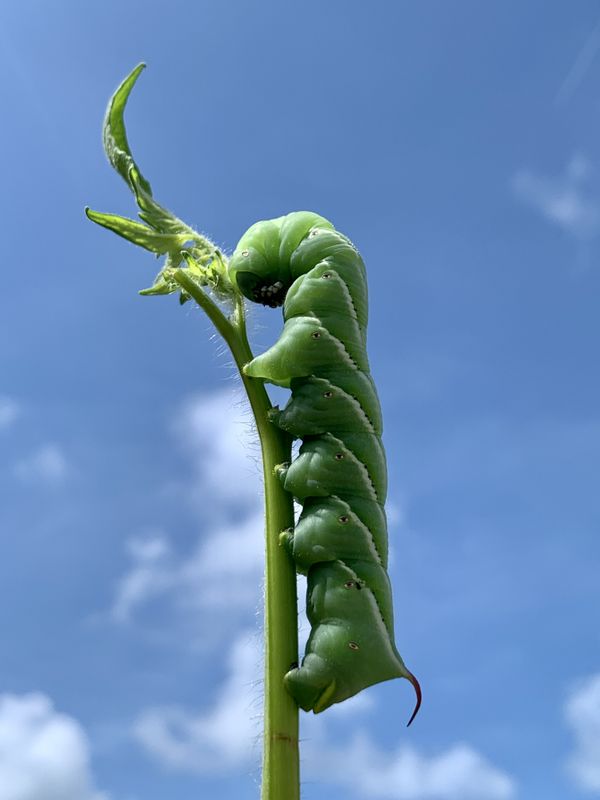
(582, 712)
(218, 739)
(48, 465)
(580, 67)
(564, 201)
(457, 773)
(44, 755)
(224, 738)
(150, 575)
(223, 572)
(9, 411)
(218, 436)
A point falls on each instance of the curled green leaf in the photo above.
(139, 234)
(118, 152)
(114, 135)
(160, 287)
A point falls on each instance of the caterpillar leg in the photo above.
(281, 471)
(313, 684)
(286, 540)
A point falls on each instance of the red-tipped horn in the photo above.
(417, 688)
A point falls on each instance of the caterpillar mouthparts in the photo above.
(272, 295)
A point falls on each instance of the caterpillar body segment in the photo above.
(340, 474)
(328, 529)
(326, 465)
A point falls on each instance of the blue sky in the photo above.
(458, 145)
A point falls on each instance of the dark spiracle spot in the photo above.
(313, 233)
(316, 335)
(326, 275)
(245, 253)
(344, 519)
(353, 646)
(339, 456)
(327, 395)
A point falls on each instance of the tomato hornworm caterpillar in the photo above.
(339, 475)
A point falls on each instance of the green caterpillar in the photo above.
(339, 475)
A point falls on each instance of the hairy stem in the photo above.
(281, 771)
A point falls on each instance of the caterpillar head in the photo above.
(260, 265)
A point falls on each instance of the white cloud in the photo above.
(458, 773)
(150, 575)
(582, 712)
(358, 704)
(226, 737)
(224, 572)
(47, 464)
(396, 513)
(9, 411)
(563, 201)
(44, 755)
(219, 738)
(224, 448)
(227, 568)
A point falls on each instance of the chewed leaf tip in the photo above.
(417, 688)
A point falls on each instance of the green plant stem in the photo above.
(281, 770)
